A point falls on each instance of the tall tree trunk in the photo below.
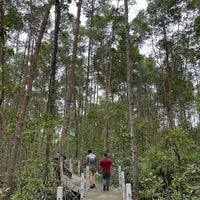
(70, 85)
(8, 180)
(198, 4)
(86, 103)
(2, 60)
(131, 111)
(147, 121)
(170, 103)
(106, 148)
(52, 92)
(2, 50)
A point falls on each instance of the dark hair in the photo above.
(89, 151)
(105, 154)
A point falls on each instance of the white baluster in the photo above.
(119, 175)
(59, 193)
(82, 186)
(123, 185)
(128, 191)
(79, 168)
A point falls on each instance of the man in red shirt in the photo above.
(106, 165)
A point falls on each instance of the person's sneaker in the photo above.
(94, 185)
(104, 188)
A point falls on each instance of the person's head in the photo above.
(89, 151)
(105, 154)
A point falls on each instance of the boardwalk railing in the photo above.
(82, 192)
(84, 183)
(59, 193)
(125, 187)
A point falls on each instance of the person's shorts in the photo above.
(93, 170)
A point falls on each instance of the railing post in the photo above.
(79, 168)
(82, 186)
(87, 177)
(119, 175)
(59, 193)
(70, 166)
(123, 185)
(128, 191)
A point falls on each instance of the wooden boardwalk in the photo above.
(97, 193)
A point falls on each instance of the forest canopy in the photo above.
(128, 87)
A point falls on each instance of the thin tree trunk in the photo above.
(106, 148)
(2, 61)
(131, 107)
(170, 104)
(52, 92)
(2, 51)
(70, 85)
(8, 180)
(86, 103)
(147, 121)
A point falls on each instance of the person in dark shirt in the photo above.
(106, 165)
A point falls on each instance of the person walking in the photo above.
(106, 165)
(91, 161)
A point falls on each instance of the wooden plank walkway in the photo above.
(97, 193)
(75, 183)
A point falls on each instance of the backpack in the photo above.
(91, 159)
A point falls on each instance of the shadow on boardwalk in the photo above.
(99, 194)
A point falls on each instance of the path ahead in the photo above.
(98, 193)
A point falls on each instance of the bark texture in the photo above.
(8, 180)
(131, 109)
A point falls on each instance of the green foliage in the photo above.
(140, 26)
(30, 183)
(3, 191)
(139, 123)
(183, 141)
(197, 26)
(191, 4)
(156, 171)
(15, 19)
(160, 175)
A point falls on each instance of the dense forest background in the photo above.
(127, 87)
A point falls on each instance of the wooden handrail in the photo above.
(125, 187)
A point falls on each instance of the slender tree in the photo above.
(2, 49)
(8, 180)
(107, 88)
(131, 108)
(52, 91)
(2, 59)
(69, 92)
(86, 99)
